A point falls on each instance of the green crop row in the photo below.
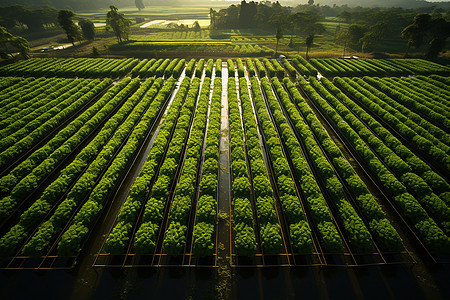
(72, 67)
(431, 234)
(161, 68)
(6, 82)
(410, 125)
(418, 103)
(41, 162)
(45, 234)
(230, 67)
(41, 104)
(218, 65)
(240, 67)
(270, 230)
(304, 66)
(252, 49)
(33, 215)
(72, 238)
(279, 70)
(387, 237)
(357, 233)
(139, 66)
(180, 207)
(373, 67)
(176, 72)
(22, 101)
(300, 231)
(19, 89)
(400, 160)
(434, 90)
(271, 72)
(32, 132)
(260, 67)
(209, 68)
(199, 68)
(205, 215)
(144, 71)
(331, 241)
(250, 67)
(245, 240)
(119, 237)
(190, 67)
(166, 176)
(291, 70)
(440, 79)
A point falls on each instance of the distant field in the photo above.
(154, 30)
(156, 12)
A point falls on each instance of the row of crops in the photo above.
(67, 145)
(103, 67)
(95, 67)
(196, 48)
(377, 67)
(398, 162)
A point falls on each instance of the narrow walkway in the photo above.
(224, 204)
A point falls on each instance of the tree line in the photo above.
(75, 31)
(115, 21)
(24, 18)
(367, 26)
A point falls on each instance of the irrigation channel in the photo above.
(226, 275)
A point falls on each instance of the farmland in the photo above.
(245, 163)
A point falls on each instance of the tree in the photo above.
(309, 43)
(247, 12)
(278, 36)
(196, 27)
(10, 43)
(311, 2)
(375, 33)
(139, 4)
(307, 24)
(337, 32)
(212, 18)
(279, 21)
(355, 34)
(426, 30)
(88, 29)
(72, 31)
(119, 24)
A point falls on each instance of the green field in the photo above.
(119, 170)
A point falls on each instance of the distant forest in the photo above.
(70, 4)
(261, 15)
(381, 3)
(95, 4)
(67, 4)
(92, 4)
